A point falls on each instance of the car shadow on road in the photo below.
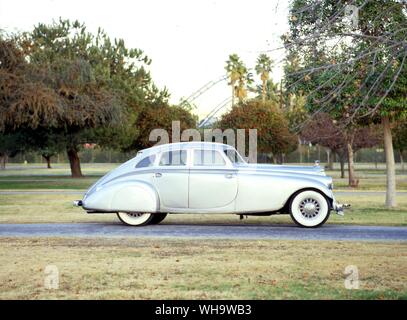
(164, 225)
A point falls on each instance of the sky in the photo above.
(187, 40)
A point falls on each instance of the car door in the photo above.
(212, 181)
(171, 179)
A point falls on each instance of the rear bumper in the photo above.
(78, 203)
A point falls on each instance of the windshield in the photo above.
(234, 156)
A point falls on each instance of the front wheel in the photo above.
(309, 209)
(135, 218)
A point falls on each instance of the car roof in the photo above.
(185, 146)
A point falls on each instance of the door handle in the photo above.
(229, 176)
(158, 175)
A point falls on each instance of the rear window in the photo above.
(146, 162)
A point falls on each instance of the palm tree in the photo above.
(263, 69)
(270, 90)
(232, 66)
(239, 77)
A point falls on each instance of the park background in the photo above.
(84, 101)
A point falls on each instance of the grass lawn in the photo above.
(37, 208)
(60, 169)
(200, 269)
(36, 176)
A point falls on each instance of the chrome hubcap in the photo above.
(309, 208)
(135, 214)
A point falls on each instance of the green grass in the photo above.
(46, 183)
(200, 269)
(50, 208)
(36, 176)
(62, 169)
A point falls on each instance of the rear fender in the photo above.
(129, 196)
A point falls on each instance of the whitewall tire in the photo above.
(309, 209)
(135, 218)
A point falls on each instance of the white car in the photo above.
(205, 177)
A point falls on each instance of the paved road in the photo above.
(207, 231)
(81, 192)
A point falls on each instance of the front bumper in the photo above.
(339, 207)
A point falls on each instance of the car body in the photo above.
(205, 177)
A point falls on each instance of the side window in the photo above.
(208, 158)
(174, 158)
(146, 162)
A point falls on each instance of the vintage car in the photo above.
(205, 177)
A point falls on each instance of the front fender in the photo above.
(128, 196)
(316, 185)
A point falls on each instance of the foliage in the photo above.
(273, 135)
(263, 69)
(349, 71)
(78, 87)
(239, 77)
(161, 117)
(327, 132)
(400, 136)
(295, 111)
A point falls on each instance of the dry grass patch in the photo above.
(205, 269)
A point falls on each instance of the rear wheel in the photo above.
(135, 218)
(309, 209)
(157, 218)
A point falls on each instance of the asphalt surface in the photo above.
(207, 231)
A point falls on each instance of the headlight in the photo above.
(331, 186)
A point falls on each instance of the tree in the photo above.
(400, 140)
(354, 69)
(70, 83)
(10, 145)
(161, 117)
(272, 92)
(46, 143)
(239, 77)
(327, 132)
(273, 135)
(263, 69)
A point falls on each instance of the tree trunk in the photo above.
(330, 156)
(282, 157)
(281, 95)
(351, 167)
(264, 91)
(342, 164)
(319, 152)
(3, 161)
(390, 164)
(233, 94)
(300, 149)
(74, 163)
(48, 160)
(401, 160)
